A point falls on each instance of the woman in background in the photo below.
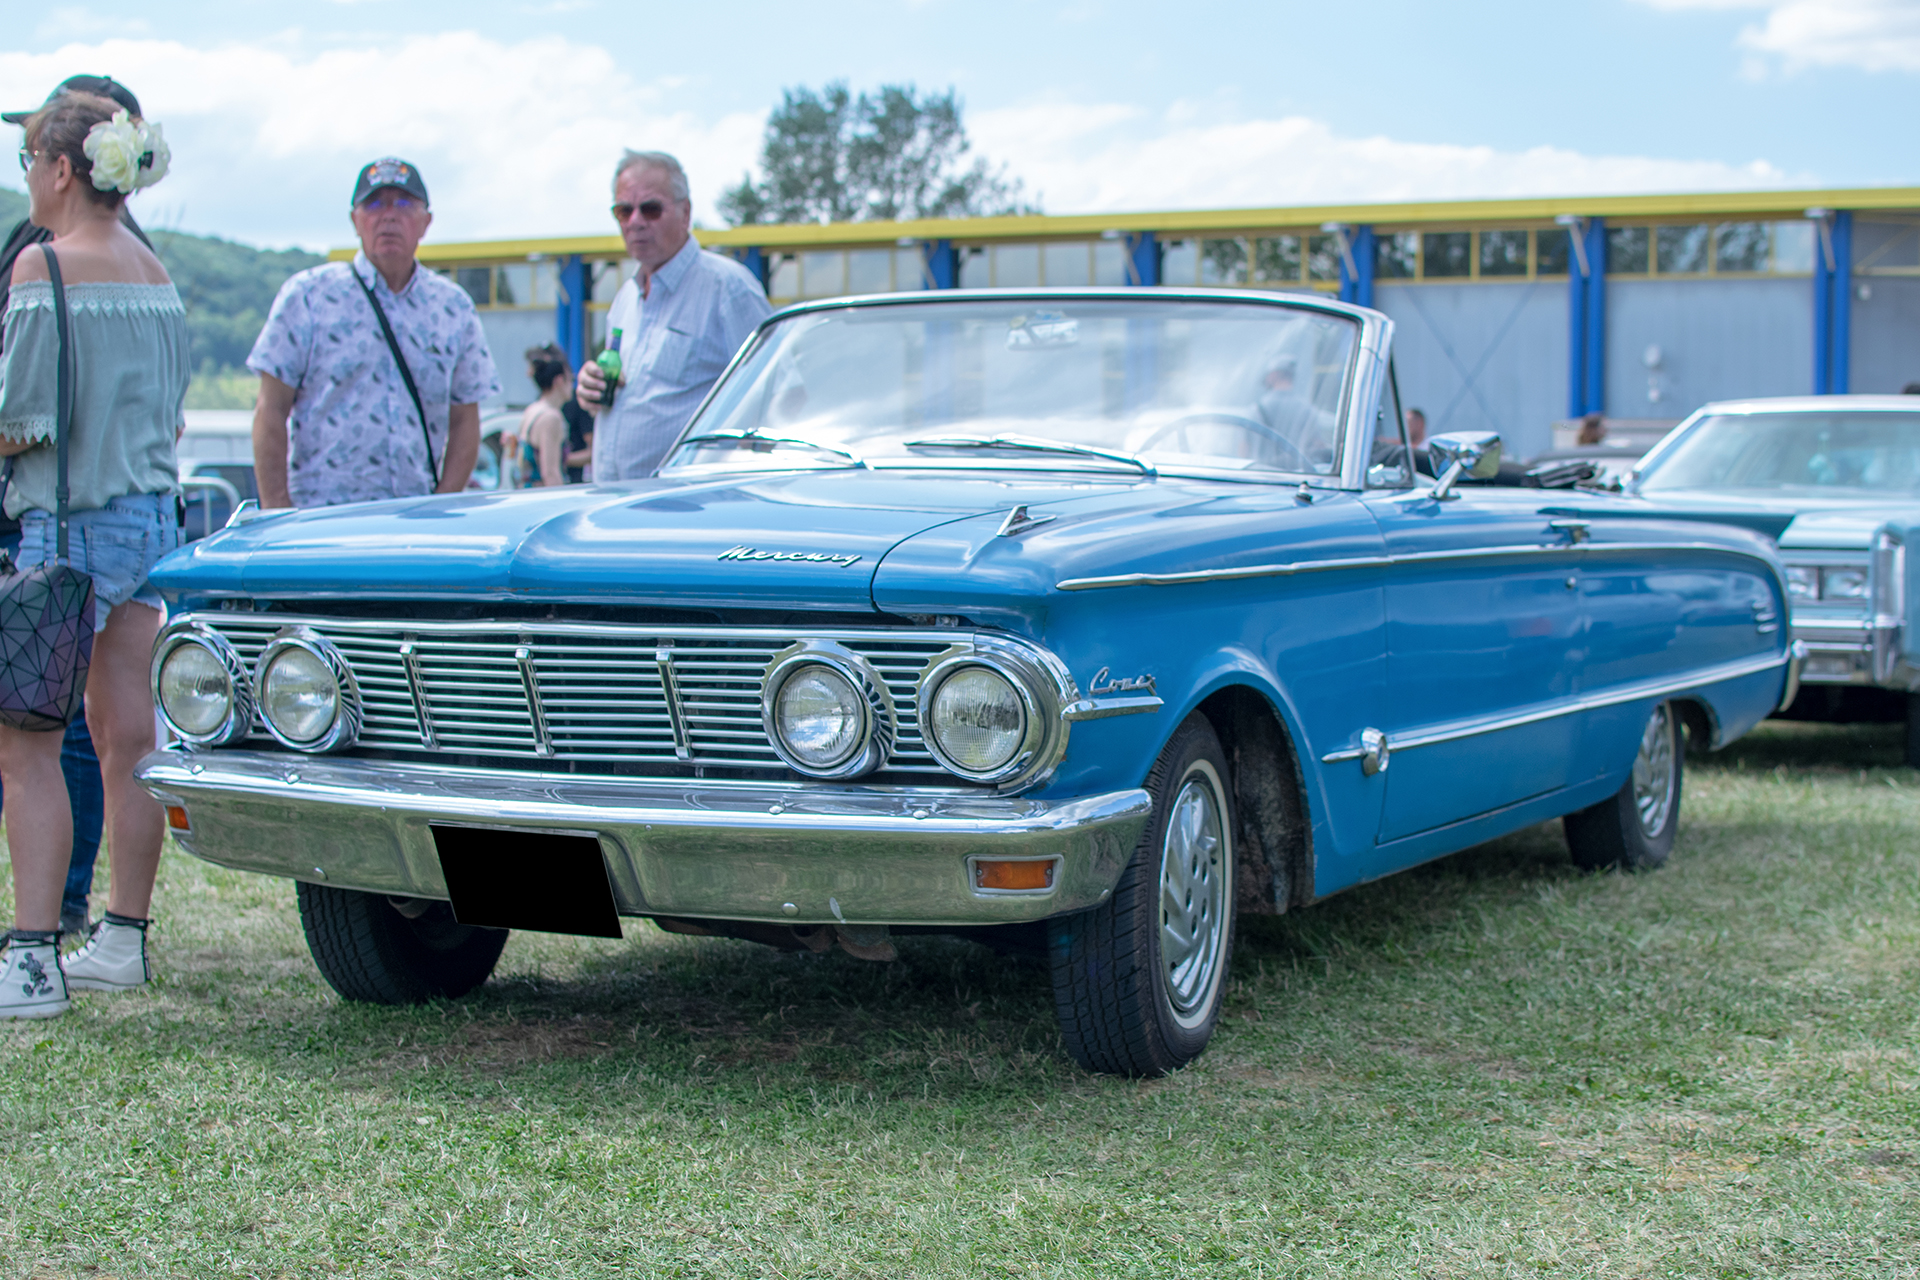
(543, 429)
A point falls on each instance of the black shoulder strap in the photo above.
(406, 374)
(63, 399)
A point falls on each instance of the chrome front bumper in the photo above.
(1863, 651)
(787, 853)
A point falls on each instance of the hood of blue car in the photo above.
(807, 540)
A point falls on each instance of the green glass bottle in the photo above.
(609, 362)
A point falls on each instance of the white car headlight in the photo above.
(308, 697)
(827, 711)
(1843, 584)
(1803, 582)
(201, 688)
(818, 716)
(976, 721)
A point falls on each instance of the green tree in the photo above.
(829, 156)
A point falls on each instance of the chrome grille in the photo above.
(600, 688)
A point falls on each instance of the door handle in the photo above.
(1576, 530)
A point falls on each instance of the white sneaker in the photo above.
(31, 983)
(114, 959)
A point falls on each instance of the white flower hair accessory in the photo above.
(126, 154)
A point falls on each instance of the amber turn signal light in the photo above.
(177, 818)
(1027, 873)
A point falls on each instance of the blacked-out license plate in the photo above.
(537, 880)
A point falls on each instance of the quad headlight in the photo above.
(826, 711)
(1830, 582)
(201, 687)
(982, 715)
(308, 696)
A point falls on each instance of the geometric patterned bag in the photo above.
(46, 612)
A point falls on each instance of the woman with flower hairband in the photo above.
(83, 156)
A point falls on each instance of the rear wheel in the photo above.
(1138, 981)
(371, 951)
(1633, 829)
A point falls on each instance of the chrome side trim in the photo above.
(1479, 725)
(1102, 708)
(1796, 661)
(1387, 561)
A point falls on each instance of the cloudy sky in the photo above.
(514, 111)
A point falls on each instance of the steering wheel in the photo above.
(1252, 425)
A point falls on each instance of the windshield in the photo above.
(1107, 384)
(1822, 452)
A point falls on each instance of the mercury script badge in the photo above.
(807, 557)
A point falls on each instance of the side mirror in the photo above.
(1474, 455)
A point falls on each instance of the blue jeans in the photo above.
(86, 796)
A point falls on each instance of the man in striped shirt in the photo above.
(680, 320)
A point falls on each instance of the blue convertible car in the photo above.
(1077, 621)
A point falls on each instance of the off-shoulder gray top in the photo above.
(130, 377)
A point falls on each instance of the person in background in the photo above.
(79, 762)
(1416, 427)
(84, 155)
(579, 437)
(543, 428)
(679, 320)
(336, 421)
(1593, 430)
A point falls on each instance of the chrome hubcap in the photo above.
(1653, 772)
(1193, 897)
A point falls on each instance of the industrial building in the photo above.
(1512, 315)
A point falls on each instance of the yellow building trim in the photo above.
(1300, 218)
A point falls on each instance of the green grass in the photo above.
(1490, 1066)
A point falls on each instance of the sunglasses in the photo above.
(26, 159)
(391, 200)
(648, 209)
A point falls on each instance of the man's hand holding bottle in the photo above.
(600, 380)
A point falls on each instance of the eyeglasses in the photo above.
(26, 158)
(390, 200)
(648, 209)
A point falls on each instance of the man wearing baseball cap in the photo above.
(371, 372)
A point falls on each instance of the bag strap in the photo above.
(406, 374)
(63, 399)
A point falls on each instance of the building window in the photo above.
(1223, 262)
(976, 269)
(1323, 259)
(1396, 255)
(1068, 262)
(1180, 262)
(1627, 251)
(1277, 260)
(1110, 263)
(1503, 253)
(1552, 252)
(1446, 255)
(478, 282)
(783, 282)
(1793, 248)
(1680, 251)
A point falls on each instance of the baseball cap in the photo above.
(389, 171)
(100, 86)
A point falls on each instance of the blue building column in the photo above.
(1586, 316)
(1356, 266)
(1143, 258)
(570, 310)
(943, 264)
(1832, 303)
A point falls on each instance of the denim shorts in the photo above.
(116, 545)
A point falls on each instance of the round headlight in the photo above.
(820, 716)
(977, 719)
(299, 696)
(195, 691)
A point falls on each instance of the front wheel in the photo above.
(1633, 829)
(1138, 981)
(369, 950)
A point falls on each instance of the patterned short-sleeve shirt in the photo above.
(353, 435)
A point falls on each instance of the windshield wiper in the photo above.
(750, 439)
(1033, 444)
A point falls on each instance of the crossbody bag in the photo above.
(406, 374)
(46, 612)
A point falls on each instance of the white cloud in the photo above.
(1871, 35)
(1086, 159)
(518, 139)
(513, 139)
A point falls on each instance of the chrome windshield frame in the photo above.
(1367, 370)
